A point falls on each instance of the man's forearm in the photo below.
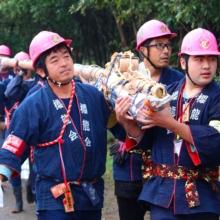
(133, 129)
(182, 130)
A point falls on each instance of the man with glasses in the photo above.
(154, 45)
(184, 138)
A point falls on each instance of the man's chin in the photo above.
(63, 81)
(67, 81)
(162, 66)
(203, 83)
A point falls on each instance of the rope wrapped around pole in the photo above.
(11, 62)
(121, 78)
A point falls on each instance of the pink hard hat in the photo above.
(22, 56)
(5, 50)
(152, 29)
(199, 42)
(44, 41)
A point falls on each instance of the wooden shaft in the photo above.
(92, 73)
(10, 62)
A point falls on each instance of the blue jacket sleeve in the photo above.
(16, 90)
(206, 137)
(3, 86)
(118, 132)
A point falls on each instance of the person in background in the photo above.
(15, 93)
(154, 43)
(184, 138)
(21, 83)
(5, 74)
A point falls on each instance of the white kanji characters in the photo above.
(83, 108)
(63, 117)
(73, 135)
(195, 114)
(92, 193)
(84, 184)
(175, 95)
(173, 110)
(57, 104)
(169, 131)
(88, 142)
(85, 125)
(202, 98)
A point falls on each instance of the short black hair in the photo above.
(146, 43)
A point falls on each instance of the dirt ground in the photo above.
(110, 210)
(5, 212)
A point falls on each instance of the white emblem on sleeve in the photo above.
(215, 124)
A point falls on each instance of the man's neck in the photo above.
(154, 73)
(62, 91)
(191, 89)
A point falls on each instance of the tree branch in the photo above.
(184, 26)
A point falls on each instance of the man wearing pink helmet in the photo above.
(5, 51)
(4, 71)
(154, 45)
(15, 92)
(184, 136)
(19, 86)
(26, 74)
(66, 122)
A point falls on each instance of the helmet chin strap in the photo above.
(58, 83)
(149, 59)
(186, 71)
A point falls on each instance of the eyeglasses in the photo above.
(161, 46)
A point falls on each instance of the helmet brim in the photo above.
(172, 35)
(199, 53)
(68, 42)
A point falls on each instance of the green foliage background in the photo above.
(98, 28)
(101, 27)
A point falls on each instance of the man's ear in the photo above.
(41, 72)
(183, 63)
(144, 50)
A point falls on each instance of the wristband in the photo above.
(137, 138)
(21, 73)
(16, 64)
